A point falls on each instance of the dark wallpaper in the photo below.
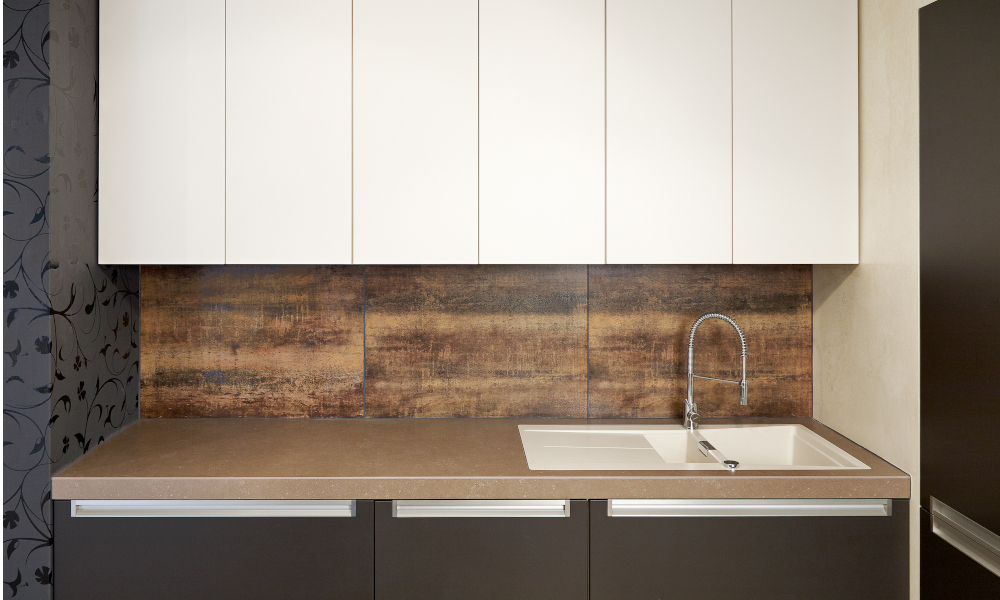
(71, 327)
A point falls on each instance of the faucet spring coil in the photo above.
(703, 318)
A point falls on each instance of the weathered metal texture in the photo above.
(477, 341)
(233, 341)
(471, 341)
(640, 320)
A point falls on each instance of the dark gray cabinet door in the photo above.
(723, 558)
(213, 558)
(960, 257)
(479, 558)
(946, 573)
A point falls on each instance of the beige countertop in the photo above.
(413, 459)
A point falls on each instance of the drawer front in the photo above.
(208, 554)
(448, 550)
(740, 557)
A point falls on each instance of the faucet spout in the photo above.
(691, 416)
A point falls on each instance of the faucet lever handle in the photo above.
(691, 416)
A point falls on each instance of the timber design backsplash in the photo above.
(476, 341)
(566, 341)
(252, 341)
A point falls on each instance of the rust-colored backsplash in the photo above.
(640, 323)
(565, 341)
(476, 341)
(240, 341)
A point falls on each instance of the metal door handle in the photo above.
(480, 508)
(212, 508)
(750, 508)
(971, 538)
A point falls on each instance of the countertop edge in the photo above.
(480, 488)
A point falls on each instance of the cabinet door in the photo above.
(307, 558)
(415, 132)
(288, 132)
(450, 556)
(162, 130)
(669, 88)
(960, 258)
(734, 558)
(946, 572)
(795, 131)
(541, 131)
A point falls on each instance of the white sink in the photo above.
(671, 447)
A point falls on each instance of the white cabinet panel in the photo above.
(415, 131)
(669, 131)
(795, 131)
(288, 132)
(162, 132)
(541, 131)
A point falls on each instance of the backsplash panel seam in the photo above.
(364, 341)
(588, 333)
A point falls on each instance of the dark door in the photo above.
(960, 257)
(736, 558)
(959, 285)
(479, 558)
(213, 558)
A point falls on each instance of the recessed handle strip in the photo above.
(479, 508)
(970, 538)
(750, 508)
(212, 508)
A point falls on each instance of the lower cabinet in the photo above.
(467, 550)
(470, 550)
(126, 551)
(741, 557)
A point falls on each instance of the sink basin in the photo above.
(762, 447)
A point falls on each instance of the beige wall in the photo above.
(866, 349)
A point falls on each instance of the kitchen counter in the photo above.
(414, 459)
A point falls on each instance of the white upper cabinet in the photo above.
(669, 153)
(415, 131)
(479, 131)
(541, 131)
(288, 132)
(162, 132)
(795, 131)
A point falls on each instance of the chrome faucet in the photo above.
(691, 416)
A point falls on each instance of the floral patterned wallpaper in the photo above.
(71, 327)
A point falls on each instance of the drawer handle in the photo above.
(750, 508)
(479, 508)
(212, 508)
(970, 538)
